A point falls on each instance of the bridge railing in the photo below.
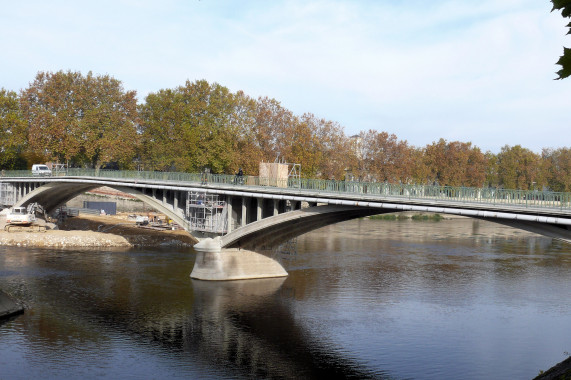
(519, 198)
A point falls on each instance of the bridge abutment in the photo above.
(214, 263)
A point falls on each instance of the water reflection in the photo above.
(79, 301)
(260, 335)
(364, 299)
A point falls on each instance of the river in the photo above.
(379, 299)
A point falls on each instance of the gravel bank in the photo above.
(82, 232)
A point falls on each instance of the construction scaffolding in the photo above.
(206, 213)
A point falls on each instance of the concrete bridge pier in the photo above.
(214, 263)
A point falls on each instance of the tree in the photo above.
(384, 157)
(519, 168)
(456, 163)
(565, 60)
(558, 168)
(247, 151)
(12, 131)
(89, 120)
(190, 128)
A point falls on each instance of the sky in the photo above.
(462, 70)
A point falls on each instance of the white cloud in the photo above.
(463, 70)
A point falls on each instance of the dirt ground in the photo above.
(95, 231)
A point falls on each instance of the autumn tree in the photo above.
(89, 120)
(272, 128)
(384, 157)
(247, 150)
(565, 60)
(318, 145)
(12, 131)
(420, 172)
(336, 152)
(519, 168)
(558, 168)
(492, 177)
(455, 163)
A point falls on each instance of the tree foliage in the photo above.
(557, 167)
(565, 60)
(189, 128)
(383, 157)
(91, 121)
(519, 168)
(12, 131)
(88, 120)
(456, 163)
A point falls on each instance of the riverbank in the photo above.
(561, 371)
(82, 231)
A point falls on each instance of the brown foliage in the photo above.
(89, 120)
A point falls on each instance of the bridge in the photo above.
(238, 224)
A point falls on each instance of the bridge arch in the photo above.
(277, 229)
(222, 258)
(51, 195)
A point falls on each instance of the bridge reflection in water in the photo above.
(405, 303)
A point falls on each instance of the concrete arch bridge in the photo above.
(236, 223)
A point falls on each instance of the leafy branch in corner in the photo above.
(565, 60)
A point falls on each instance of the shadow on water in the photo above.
(260, 335)
(230, 329)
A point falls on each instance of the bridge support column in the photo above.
(229, 209)
(214, 263)
(244, 212)
(260, 202)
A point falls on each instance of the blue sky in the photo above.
(464, 70)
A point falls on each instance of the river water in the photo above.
(364, 299)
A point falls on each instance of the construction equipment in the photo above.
(23, 219)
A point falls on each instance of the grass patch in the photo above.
(425, 217)
(384, 217)
(401, 216)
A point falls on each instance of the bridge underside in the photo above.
(240, 253)
(556, 231)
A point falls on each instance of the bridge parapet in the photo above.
(494, 196)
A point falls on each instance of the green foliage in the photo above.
(415, 217)
(383, 217)
(188, 128)
(425, 217)
(557, 168)
(565, 60)
(12, 132)
(519, 168)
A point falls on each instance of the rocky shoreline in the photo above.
(81, 232)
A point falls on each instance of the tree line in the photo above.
(92, 121)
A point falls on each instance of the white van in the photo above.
(40, 169)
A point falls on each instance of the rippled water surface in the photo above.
(364, 299)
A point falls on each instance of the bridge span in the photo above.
(235, 223)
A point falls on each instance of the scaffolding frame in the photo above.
(206, 213)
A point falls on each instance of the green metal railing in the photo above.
(515, 198)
